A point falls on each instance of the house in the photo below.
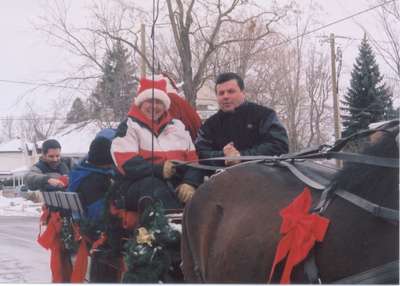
(206, 102)
(16, 156)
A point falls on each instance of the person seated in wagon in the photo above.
(143, 148)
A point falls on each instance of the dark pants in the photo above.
(104, 268)
(131, 192)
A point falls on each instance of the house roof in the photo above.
(75, 139)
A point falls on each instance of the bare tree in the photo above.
(36, 127)
(318, 90)
(80, 42)
(199, 29)
(293, 79)
(8, 127)
(207, 22)
(389, 49)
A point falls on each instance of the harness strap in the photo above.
(384, 274)
(325, 199)
(376, 210)
(308, 181)
(355, 158)
(311, 269)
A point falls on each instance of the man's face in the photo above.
(147, 108)
(52, 157)
(229, 95)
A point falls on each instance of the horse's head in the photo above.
(379, 184)
(363, 141)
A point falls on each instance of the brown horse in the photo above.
(231, 227)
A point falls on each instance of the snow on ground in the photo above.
(18, 206)
(22, 259)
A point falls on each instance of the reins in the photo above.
(321, 152)
(345, 156)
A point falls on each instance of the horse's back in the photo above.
(217, 219)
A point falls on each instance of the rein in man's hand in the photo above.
(231, 151)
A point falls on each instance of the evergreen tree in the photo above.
(114, 92)
(78, 112)
(368, 99)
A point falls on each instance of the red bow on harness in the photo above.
(300, 230)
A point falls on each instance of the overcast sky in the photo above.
(26, 55)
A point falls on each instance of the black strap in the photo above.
(195, 165)
(311, 269)
(384, 274)
(354, 158)
(302, 177)
(376, 210)
(349, 157)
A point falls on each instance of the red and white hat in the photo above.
(170, 87)
(145, 91)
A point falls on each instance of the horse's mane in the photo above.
(365, 180)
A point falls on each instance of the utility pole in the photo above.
(143, 50)
(336, 118)
(334, 89)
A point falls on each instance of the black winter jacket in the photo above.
(254, 130)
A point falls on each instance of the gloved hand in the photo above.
(168, 169)
(185, 192)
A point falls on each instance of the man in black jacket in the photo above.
(239, 128)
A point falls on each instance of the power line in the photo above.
(330, 24)
(317, 29)
(43, 84)
(355, 39)
(5, 118)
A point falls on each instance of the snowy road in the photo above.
(22, 259)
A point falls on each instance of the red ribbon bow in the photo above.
(50, 239)
(301, 230)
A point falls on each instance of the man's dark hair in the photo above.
(50, 144)
(227, 76)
